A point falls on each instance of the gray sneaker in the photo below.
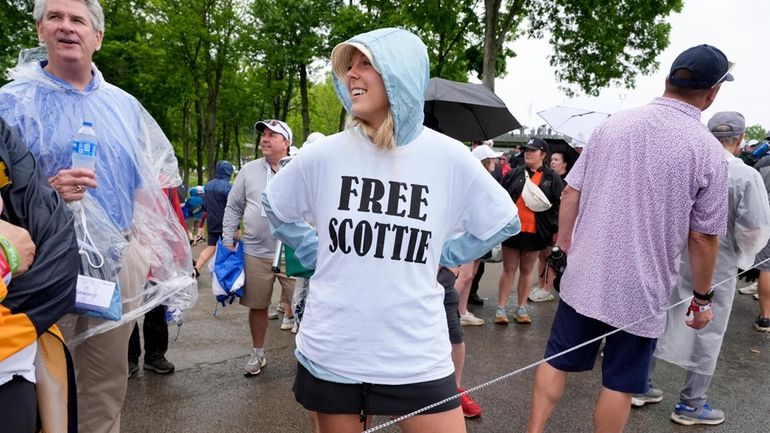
(688, 415)
(540, 295)
(751, 289)
(287, 323)
(653, 395)
(254, 364)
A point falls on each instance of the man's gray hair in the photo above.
(94, 11)
(726, 141)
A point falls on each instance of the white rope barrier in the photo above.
(535, 364)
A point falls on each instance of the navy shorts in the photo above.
(213, 238)
(626, 363)
(371, 399)
(452, 305)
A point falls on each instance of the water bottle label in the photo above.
(85, 148)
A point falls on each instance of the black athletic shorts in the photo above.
(213, 238)
(451, 304)
(526, 242)
(370, 399)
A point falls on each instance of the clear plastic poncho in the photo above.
(748, 230)
(134, 161)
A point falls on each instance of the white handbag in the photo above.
(534, 198)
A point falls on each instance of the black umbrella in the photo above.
(465, 111)
(559, 145)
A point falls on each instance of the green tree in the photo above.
(201, 37)
(448, 28)
(290, 35)
(755, 132)
(596, 43)
(324, 109)
(18, 32)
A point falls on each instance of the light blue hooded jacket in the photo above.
(402, 60)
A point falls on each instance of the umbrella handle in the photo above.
(276, 268)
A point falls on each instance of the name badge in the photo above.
(94, 294)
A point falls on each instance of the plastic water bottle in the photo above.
(760, 151)
(84, 147)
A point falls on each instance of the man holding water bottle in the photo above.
(49, 104)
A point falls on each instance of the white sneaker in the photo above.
(756, 296)
(468, 319)
(540, 295)
(287, 323)
(254, 364)
(272, 314)
(295, 327)
(751, 289)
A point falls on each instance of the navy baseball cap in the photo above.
(707, 64)
(536, 144)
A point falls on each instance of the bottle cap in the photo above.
(88, 124)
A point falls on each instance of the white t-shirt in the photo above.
(374, 311)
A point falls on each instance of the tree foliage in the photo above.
(18, 31)
(596, 43)
(756, 132)
(602, 43)
(207, 70)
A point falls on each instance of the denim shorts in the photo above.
(626, 361)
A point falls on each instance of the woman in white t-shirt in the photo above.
(374, 337)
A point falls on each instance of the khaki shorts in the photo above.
(260, 278)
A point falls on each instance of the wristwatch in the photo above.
(703, 297)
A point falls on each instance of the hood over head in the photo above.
(224, 169)
(402, 60)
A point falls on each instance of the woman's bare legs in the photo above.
(510, 266)
(526, 267)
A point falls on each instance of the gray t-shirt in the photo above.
(244, 202)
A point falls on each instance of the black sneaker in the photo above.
(159, 365)
(762, 324)
(474, 299)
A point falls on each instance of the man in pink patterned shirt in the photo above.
(650, 181)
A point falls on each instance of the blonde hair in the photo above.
(384, 136)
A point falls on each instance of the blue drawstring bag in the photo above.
(227, 276)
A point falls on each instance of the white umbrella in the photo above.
(576, 123)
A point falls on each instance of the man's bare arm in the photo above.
(703, 250)
(570, 204)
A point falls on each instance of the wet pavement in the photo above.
(208, 392)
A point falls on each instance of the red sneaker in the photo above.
(471, 409)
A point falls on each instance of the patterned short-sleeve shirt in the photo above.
(647, 177)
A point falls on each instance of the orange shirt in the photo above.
(526, 216)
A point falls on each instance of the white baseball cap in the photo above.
(275, 126)
(483, 152)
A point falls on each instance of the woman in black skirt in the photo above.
(520, 252)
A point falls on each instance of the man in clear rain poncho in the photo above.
(126, 229)
(748, 229)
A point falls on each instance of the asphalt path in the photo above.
(208, 392)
